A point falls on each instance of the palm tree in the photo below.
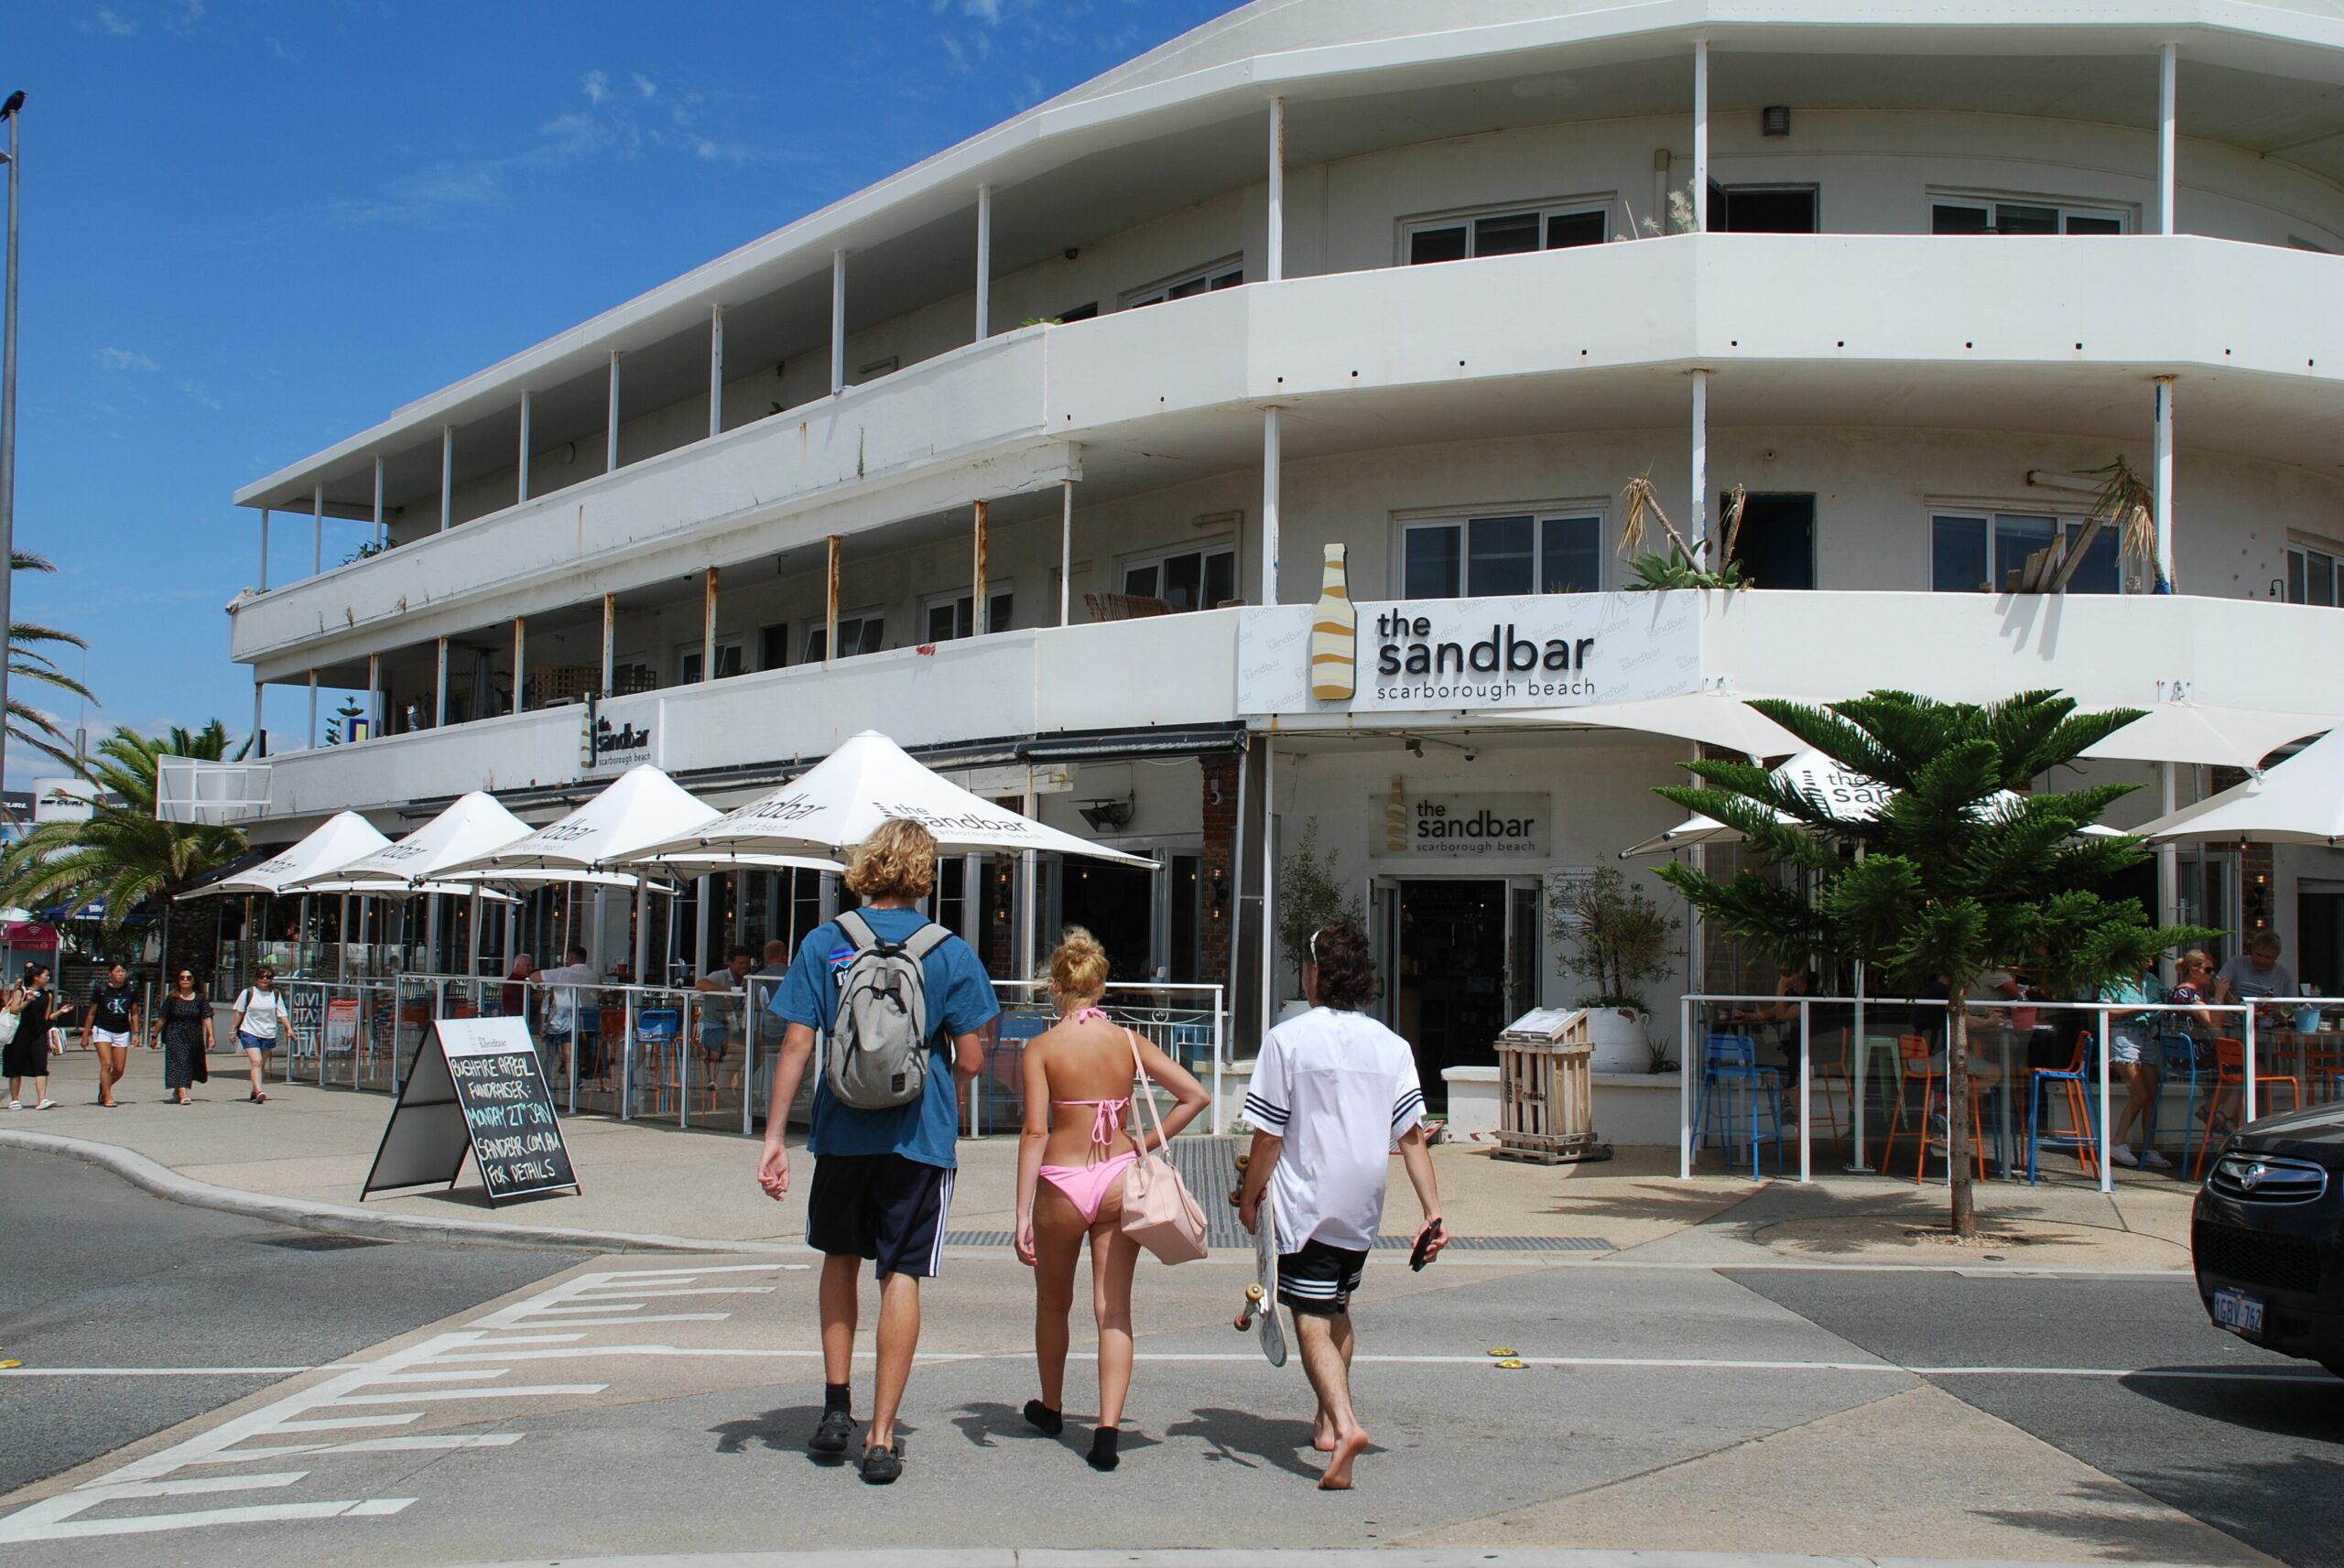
(122, 854)
(27, 663)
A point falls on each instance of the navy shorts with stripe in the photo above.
(884, 1208)
(1318, 1280)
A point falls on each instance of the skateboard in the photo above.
(1260, 1312)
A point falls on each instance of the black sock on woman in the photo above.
(838, 1397)
(1102, 1448)
(1042, 1418)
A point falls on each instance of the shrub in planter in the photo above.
(1611, 934)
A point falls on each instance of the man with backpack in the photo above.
(897, 1001)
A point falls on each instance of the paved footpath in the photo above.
(1738, 1370)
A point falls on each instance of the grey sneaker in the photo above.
(2124, 1157)
(882, 1466)
(2154, 1161)
(831, 1437)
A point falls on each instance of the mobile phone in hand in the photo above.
(1422, 1255)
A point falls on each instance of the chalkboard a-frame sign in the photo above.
(476, 1089)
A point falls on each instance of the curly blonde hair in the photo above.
(1078, 967)
(898, 861)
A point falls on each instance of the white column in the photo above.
(264, 550)
(1697, 515)
(447, 477)
(985, 262)
(1269, 882)
(440, 687)
(521, 460)
(609, 642)
(611, 451)
(313, 709)
(2164, 454)
(716, 369)
(317, 530)
(707, 626)
(260, 733)
(520, 663)
(2168, 852)
(1274, 268)
(373, 707)
(838, 322)
(2168, 71)
(1701, 137)
(1028, 874)
(1066, 551)
(979, 568)
(831, 599)
(380, 525)
(1270, 483)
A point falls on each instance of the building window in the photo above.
(728, 660)
(1458, 236)
(773, 646)
(1080, 313)
(1227, 273)
(1516, 553)
(1201, 578)
(2312, 574)
(948, 617)
(865, 633)
(1970, 552)
(1966, 214)
(1764, 208)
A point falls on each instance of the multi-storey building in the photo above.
(1029, 455)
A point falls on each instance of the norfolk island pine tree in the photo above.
(1951, 877)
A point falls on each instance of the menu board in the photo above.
(477, 1089)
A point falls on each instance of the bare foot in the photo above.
(1338, 1477)
(1322, 1432)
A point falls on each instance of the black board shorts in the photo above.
(884, 1208)
(1318, 1281)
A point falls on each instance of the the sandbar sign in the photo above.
(476, 1089)
(1476, 827)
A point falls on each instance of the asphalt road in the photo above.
(97, 1274)
(2258, 1459)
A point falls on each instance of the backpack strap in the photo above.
(858, 930)
(927, 939)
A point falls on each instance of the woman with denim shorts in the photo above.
(260, 1019)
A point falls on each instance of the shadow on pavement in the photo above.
(1245, 1438)
(2109, 1520)
(785, 1431)
(2299, 1401)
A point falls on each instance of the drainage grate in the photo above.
(315, 1242)
(1383, 1243)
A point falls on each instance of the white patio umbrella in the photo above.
(640, 808)
(1714, 717)
(333, 844)
(469, 828)
(842, 800)
(2223, 737)
(2299, 801)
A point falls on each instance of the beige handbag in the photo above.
(1158, 1213)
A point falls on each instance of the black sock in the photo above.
(1044, 1418)
(1102, 1448)
(838, 1397)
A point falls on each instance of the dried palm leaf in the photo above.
(1734, 504)
(1640, 505)
(2127, 505)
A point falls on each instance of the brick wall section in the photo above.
(1220, 841)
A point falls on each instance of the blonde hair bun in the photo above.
(1078, 967)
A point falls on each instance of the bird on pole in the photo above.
(15, 102)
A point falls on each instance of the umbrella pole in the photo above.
(1864, 1057)
(642, 928)
(342, 939)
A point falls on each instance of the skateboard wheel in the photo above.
(1254, 1293)
(1242, 1323)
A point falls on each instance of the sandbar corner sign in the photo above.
(619, 733)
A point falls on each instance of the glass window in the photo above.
(857, 634)
(2077, 225)
(1992, 215)
(1770, 210)
(2312, 576)
(773, 646)
(950, 618)
(1507, 233)
(1185, 579)
(2015, 538)
(1958, 555)
(1517, 553)
(1955, 217)
(2023, 217)
(1140, 581)
(1204, 280)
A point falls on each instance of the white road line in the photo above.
(632, 1322)
(152, 1371)
(634, 1293)
(532, 1339)
(403, 1378)
(443, 1441)
(597, 1306)
(330, 1425)
(413, 1396)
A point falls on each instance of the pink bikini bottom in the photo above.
(1086, 1186)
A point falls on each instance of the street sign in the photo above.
(476, 1089)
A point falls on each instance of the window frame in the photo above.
(2126, 213)
(1204, 549)
(1721, 201)
(1001, 604)
(2300, 548)
(1605, 205)
(818, 626)
(732, 643)
(2069, 524)
(1539, 513)
(1159, 292)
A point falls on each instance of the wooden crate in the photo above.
(1546, 1102)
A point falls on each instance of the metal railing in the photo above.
(1991, 1025)
(680, 1055)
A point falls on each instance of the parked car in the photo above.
(2267, 1235)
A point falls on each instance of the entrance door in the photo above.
(1451, 997)
(1116, 904)
(1776, 545)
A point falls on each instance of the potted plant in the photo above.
(1309, 896)
(1609, 934)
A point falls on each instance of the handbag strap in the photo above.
(1144, 1090)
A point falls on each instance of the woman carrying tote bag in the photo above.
(1074, 1158)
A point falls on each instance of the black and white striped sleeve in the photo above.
(1409, 1107)
(1267, 1104)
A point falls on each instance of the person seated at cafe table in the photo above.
(1795, 981)
(2132, 1062)
(2255, 974)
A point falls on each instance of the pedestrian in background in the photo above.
(109, 1027)
(27, 1053)
(260, 1019)
(184, 1020)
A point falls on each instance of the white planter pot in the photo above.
(1619, 1036)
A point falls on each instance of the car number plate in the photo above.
(2238, 1312)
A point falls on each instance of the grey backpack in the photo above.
(877, 1056)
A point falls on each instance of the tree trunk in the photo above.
(1957, 1092)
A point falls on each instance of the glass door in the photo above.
(1383, 941)
(1525, 921)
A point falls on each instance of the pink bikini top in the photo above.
(1109, 1118)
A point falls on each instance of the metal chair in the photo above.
(2180, 1064)
(2229, 1073)
(2083, 1128)
(1730, 1062)
(1912, 1060)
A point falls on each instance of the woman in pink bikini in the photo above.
(1071, 1160)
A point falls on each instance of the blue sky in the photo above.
(254, 226)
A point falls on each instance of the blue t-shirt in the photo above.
(959, 1001)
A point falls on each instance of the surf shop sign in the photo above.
(1538, 650)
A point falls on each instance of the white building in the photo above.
(927, 459)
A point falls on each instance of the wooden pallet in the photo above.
(1546, 1103)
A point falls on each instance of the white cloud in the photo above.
(596, 85)
(126, 359)
(200, 395)
(184, 19)
(645, 85)
(114, 24)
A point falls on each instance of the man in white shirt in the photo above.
(1331, 1092)
(569, 1003)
